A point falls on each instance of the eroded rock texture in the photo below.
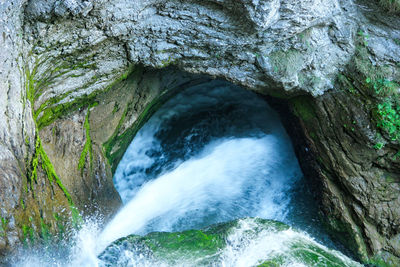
(76, 85)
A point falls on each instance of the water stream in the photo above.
(214, 153)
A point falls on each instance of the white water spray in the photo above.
(249, 247)
(233, 178)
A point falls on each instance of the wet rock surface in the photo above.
(76, 76)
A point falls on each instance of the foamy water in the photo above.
(231, 179)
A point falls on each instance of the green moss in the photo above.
(117, 144)
(36, 83)
(167, 62)
(312, 255)
(388, 118)
(27, 141)
(116, 108)
(47, 166)
(197, 246)
(77, 220)
(60, 224)
(49, 111)
(114, 139)
(22, 204)
(189, 242)
(375, 87)
(3, 226)
(374, 78)
(28, 235)
(302, 108)
(124, 76)
(87, 149)
(35, 163)
(40, 157)
(44, 231)
(378, 146)
(52, 113)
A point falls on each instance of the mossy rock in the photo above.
(212, 247)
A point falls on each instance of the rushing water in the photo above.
(214, 153)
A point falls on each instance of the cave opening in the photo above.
(213, 153)
(243, 131)
(209, 173)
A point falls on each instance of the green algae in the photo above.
(372, 79)
(119, 141)
(50, 110)
(41, 157)
(59, 224)
(207, 247)
(33, 88)
(37, 81)
(28, 235)
(3, 226)
(312, 255)
(87, 149)
(302, 108)
(45, 233)
(196, 243)
(377, 87)
(51, 113)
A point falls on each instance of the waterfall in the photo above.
(214, 153)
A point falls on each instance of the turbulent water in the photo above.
(242, 242)
(212, 154)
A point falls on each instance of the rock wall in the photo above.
(80, 77)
